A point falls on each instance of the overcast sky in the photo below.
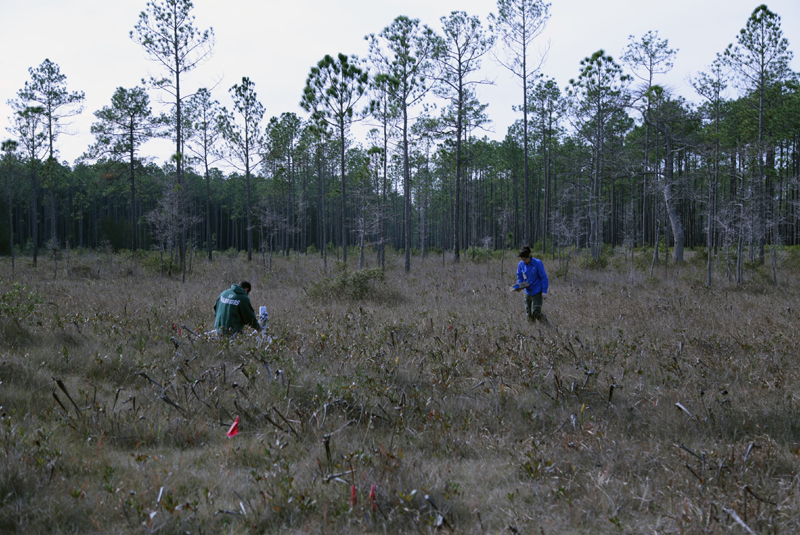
(276, 43)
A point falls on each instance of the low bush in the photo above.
(477, 254)
(82, 271)
(356, 285)
(791, 258)
(17, 304)
(589, 262)
(153, 262)
(558, 272)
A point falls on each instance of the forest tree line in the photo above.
(613, 158)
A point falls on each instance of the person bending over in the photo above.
(531, 271)
(234, 311)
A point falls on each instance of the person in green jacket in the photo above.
(234, 311)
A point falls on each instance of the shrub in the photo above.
(590, 263)
(151, 263)
(82, 271)
(345, 285)
(18, 302)
(232, 254)
(699, 257)
(558, 272)
(155, 262)
(476, 253)
(16, 305)
(791, 258)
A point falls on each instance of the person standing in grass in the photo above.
(532, 277)
(234, 311)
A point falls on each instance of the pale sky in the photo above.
(276, 43)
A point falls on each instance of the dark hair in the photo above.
(525, 252)
(245, 286)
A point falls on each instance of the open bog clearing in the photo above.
(414, 403)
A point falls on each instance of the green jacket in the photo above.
(234, 311)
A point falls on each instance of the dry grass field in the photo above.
(423, 403)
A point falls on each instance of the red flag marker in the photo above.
(234, 430)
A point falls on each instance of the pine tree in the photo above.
(9, 163)
(29, 127)
(710, 85)
(519, 23)
(333, 88)
(646, 58)
(761, 58)
(201, 140)
(167, 32)
(122, 128)
(465, 43)
(244, 141)
(405, 67)
(47, 90)
(596, 95)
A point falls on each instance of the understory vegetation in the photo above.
(400, 403)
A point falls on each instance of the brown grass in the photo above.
(655, 405)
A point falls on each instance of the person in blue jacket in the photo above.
(532, 277)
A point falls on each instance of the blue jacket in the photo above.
(535, 274)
